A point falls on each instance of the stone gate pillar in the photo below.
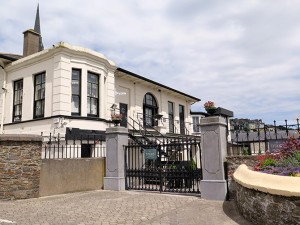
(214, 150)
(116, 138)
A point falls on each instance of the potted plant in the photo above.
(116, 119)
(210, 107)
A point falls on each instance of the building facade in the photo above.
(70, 91)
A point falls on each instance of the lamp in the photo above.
(113, 108)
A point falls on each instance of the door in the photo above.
(85, 151)
(123, 111)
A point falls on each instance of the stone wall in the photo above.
(20, 165)
(264, 208)
(233, 163)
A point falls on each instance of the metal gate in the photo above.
(164, 167)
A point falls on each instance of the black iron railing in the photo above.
(82, 146)
(260, 138)
(172, 126)
(173, 166)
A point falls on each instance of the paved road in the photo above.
(109, 207)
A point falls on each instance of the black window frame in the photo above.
(41, 98)
(78, 96)
(149, 104)
(171, 116)
(17, 92)
(90, 98)
(181, 119)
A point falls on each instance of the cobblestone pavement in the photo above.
(109, 207)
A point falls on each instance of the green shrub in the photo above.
(268, 162)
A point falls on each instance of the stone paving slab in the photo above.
(118, 208)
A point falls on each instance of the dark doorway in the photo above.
(123, 111)
(85, 151)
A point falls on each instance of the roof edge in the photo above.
(4, 56)
(156, 83)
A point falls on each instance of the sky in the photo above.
(244, 55)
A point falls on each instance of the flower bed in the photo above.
(271, 194)
(284, 162)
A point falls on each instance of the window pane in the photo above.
(16, 98)
(94, 106)
(92, 78)
(148, 99)
(20, 96)
(75, 74)
(39, 95)
(170, 107)
(88, 106)
(38, 108)
(43, 91)
(17, 111)
(38, 79)
(37, 92)
(43, 78)
(17, 103)
(76, 92)
(75, 87)
(148, 116)
(89, 89)
(196, 124)
(181, 109)
(75, 104)
(94, 91)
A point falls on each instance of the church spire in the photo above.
(37, 27)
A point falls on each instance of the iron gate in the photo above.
(164, 167)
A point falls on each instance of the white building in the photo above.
(71, 90)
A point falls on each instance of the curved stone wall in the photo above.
(267, 199)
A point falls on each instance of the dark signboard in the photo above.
(150, 153)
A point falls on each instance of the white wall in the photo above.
(57, 63)
(132, 92)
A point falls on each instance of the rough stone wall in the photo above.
(263, 208)
(20, 165)
(233, 163)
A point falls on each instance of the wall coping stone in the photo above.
(213, 121)
(21, 137)
(268, 183)
(116, 130)
(241, 157)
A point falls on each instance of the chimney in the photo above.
(31, 42)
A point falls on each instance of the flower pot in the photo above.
(116, 122)
(211, 111)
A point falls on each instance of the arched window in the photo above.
(150, 109)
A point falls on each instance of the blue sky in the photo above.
(242, 54)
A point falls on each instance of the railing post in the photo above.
(116, 139)
(214, 150)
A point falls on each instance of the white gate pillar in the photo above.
(214, 150)
(116, 139)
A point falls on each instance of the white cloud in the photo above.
(244, 55)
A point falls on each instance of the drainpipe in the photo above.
(3, 99)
